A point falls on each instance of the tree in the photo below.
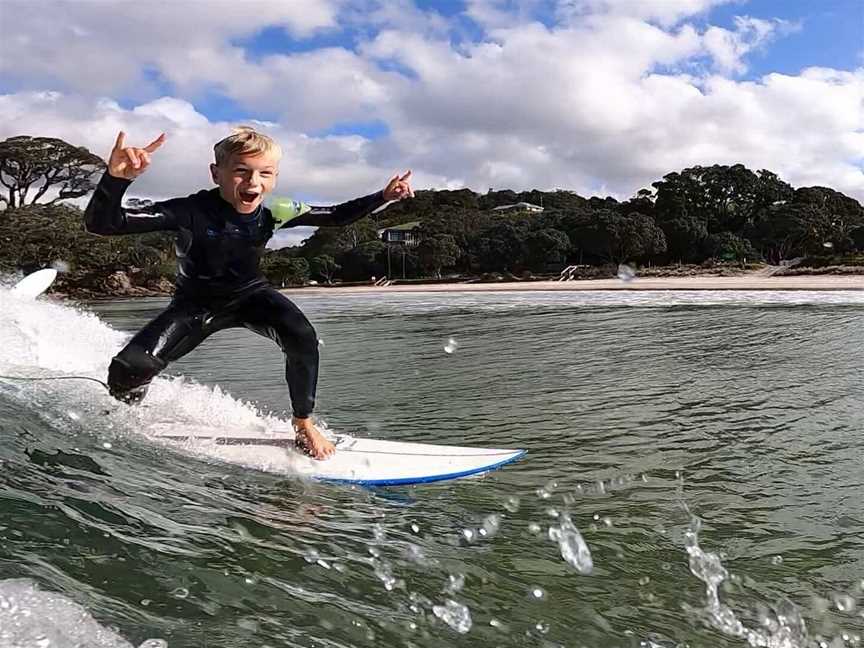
(325, 267)
(41, 163)
(610, 236)
(285, 269)
(546, 246)
(436, 252)
(366, 260)
(730, 247)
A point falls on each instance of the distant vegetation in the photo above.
(700, 215)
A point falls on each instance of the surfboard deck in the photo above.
(361, 461)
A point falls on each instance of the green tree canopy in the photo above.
(31, 166)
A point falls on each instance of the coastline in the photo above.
(704, 282)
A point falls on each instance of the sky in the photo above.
(601, 97)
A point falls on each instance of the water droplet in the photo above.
(60, 265)
(454, 614)
(180, 593)
(145, 602)
(468, 534)
(495, 623)
(154, 643)
(542, 627)
(607, 521)
(626, 273)
(384, 572)
(451, 345)
(455, 584)
(542, 493)
(73, 415)
(844, 603)
(533, 527)
(828, 244)
(644, 580)
(777, 560)
(320, 342)
(106, 445)
(415, 528)
(573, 548)
(512, 504)
(553, 513)
(538, 593)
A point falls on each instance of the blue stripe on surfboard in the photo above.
(405, 481)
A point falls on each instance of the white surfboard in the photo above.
(368, 462)
(34, 284)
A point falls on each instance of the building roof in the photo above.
(520, 205)
(404, 227)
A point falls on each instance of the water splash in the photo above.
(454, 614)
(626, 273)
(573, 548)
(32, 618)
(451, 345)
(784, 629)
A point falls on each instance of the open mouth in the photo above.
(248, 197)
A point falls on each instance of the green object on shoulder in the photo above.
(285, 210)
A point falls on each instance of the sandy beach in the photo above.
(803, 282)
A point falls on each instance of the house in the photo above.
(400, 234)
(519, 207)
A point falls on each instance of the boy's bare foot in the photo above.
(310, 440)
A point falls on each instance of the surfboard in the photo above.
(361, 461)
(34, 284)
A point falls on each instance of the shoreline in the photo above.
(704, 282)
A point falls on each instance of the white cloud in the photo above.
(601, 101)
(729, 48)
(100, 47)
(325, 170)
(666, 12)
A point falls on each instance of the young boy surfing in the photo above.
(221, 234)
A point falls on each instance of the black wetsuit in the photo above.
(219, 284)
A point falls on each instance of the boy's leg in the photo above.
(271, 314)
(172, 334)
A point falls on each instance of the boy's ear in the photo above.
(213, 173)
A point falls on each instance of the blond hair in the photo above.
(245, 140)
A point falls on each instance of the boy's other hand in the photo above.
(129, 162)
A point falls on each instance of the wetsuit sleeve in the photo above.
(290, 213)
(105, 213)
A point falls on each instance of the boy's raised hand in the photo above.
(398, 188)
(129, 162)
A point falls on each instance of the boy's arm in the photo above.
(290, 213)
(105, 213)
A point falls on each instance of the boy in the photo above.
(221, 234)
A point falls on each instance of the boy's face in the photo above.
(244, 180)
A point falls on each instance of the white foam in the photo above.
(49, 339)
(32, 618)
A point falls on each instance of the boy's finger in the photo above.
(121, 139)
(406, 176)
(133, 157)
(155, 144)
